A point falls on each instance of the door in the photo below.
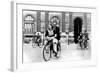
(77, 28)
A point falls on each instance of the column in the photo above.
(84, 25)
(85, 21)
(70, 22)
(46, 19)
(38, 21)
(63, 22)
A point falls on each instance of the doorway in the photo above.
(77, 28)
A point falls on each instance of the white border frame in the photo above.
(16, 59)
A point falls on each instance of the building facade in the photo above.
(38, 20)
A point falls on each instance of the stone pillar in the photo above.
(46, 19)
(85, 21)
(70, 22)
(88, 15)
(38, 21)
(84, 26)
(63, 22)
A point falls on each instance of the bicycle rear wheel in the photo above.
(86, 44)
(58, 51)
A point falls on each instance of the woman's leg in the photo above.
(55, 41)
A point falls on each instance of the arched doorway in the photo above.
(77, 28)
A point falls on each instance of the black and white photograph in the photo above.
(44, 35)
(55, 36)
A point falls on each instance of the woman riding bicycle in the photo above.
(53, 34)
(50, 37)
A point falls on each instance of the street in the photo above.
(68, 53)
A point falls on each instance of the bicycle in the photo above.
(83, 41)
(48, 50)
(37, 41)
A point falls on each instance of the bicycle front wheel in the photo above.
(46, 53)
